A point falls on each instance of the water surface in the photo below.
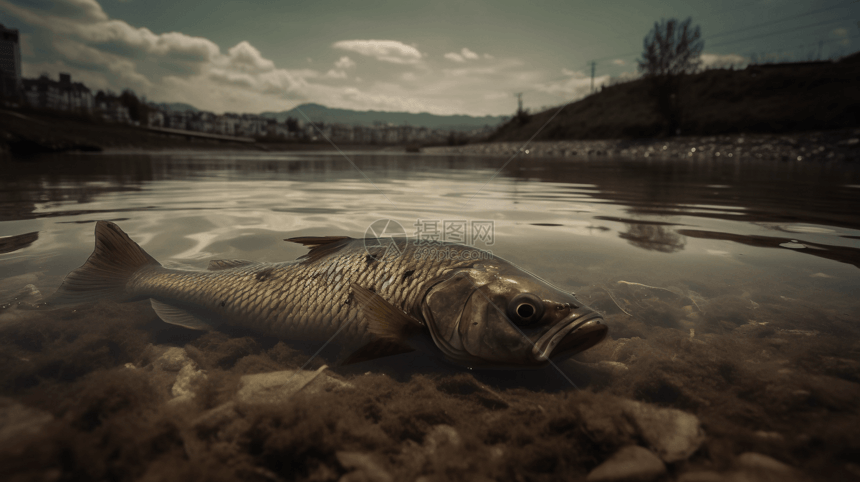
(730, 287)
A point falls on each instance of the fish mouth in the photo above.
(571, 336)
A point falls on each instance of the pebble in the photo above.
(674, 435)
(363, 468)
(756, 461)
(630, 464)
(278, 387)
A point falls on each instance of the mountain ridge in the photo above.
(321, 113)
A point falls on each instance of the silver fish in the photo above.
(473, 312)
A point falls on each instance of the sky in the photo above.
(443, 57)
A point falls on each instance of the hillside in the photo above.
(762, 99)
(321, 113)
(176, 106)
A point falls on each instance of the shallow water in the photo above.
(737, 272)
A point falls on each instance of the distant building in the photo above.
(65, 95)
(155, 118)
(176, 119)
(112, 110)
(10, 62)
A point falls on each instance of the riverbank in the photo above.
(836, 145)
(24, 134)
(28, 134)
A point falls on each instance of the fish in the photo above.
(464, 305)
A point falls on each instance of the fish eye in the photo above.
(525, 309)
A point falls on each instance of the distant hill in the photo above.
(321, 113)
(769, 98)
(176, 106)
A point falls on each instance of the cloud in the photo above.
(575, 86)
(339, 70)
(468, 54)
(841, 33)
(244, 57)
(619, 62)
(571, 73)
(464, 55)
(722, 60)
(78, 37)
(335, 74)
(344, 63)
(391, 51)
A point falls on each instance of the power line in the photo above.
(733, 10)
(593, 63)
(806, 14)
(793, 29)
(779, 32)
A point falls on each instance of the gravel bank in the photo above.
(841, 145)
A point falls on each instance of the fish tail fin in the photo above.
(105, 274)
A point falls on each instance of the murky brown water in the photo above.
(730, 288)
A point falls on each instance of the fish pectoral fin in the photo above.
(178, 316)
(219, 264)
(384, 319)
(376, 349)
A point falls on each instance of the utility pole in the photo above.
(592, 76)
(519, 102)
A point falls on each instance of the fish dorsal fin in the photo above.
(178, 316)
(219, 264)
(377, 349)
(320, 245)
(314, 241)
(384, 319)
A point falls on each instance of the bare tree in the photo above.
(672, 49)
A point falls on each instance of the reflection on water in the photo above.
(187, 207)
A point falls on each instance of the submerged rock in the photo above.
(630, 464)
(173, 368)
(187, 377)
(674, 435)
(762, 463)
(172, 360)
(441, 436)
(180, 371)
(277, 387)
